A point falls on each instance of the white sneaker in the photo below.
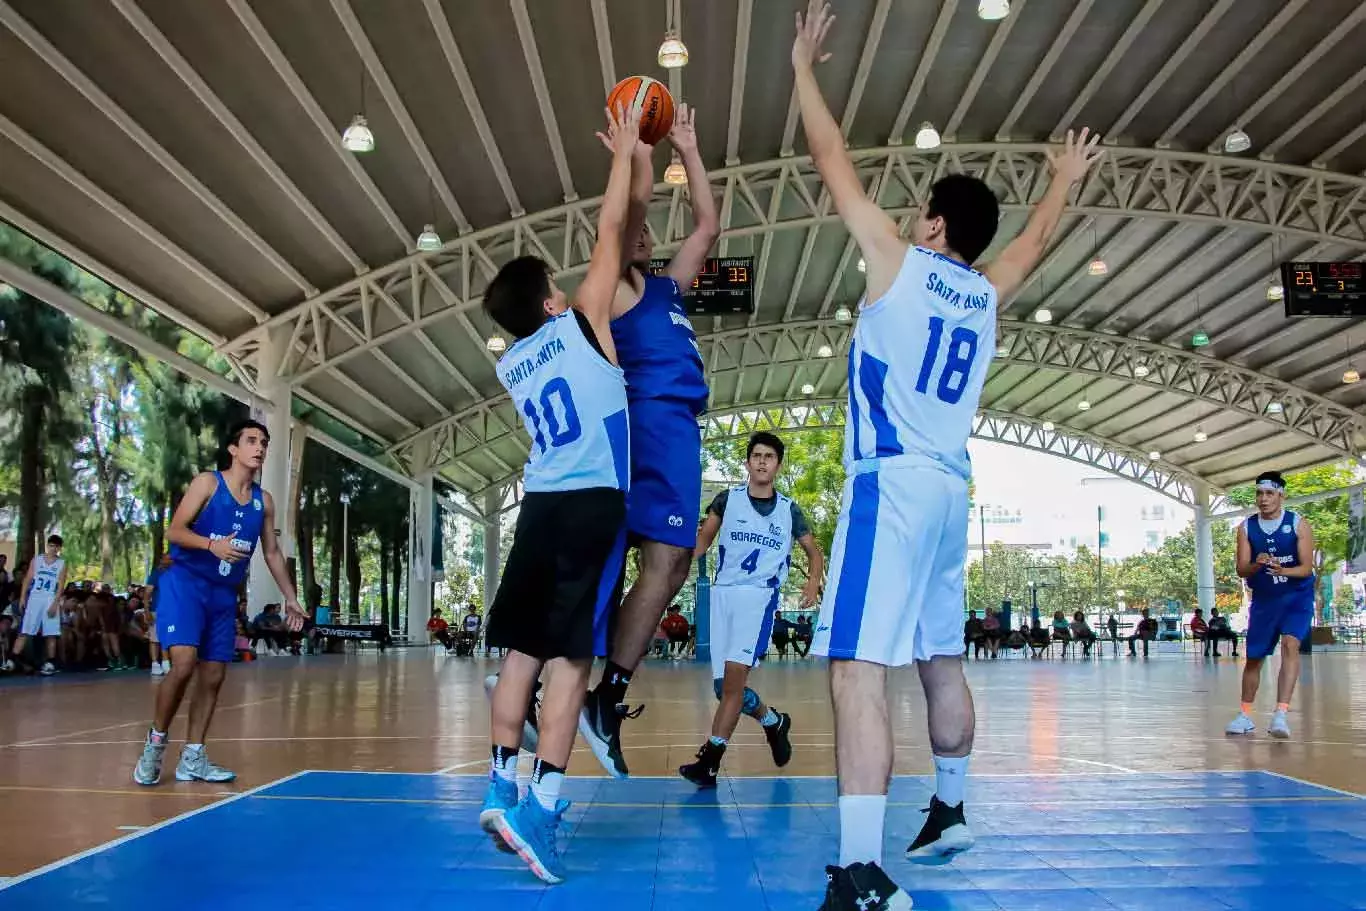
(7, 666)
(48, 670)
(1280, 728)
(165, 665)
(148, 770)
(157, 669)
(194, 765)
(1241, 725)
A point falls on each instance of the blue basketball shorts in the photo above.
(193, 611)
(1271, 618)
(665, 498)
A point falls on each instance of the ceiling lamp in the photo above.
(357, 137)
(1083, 405)
(862, 266)
(1141, 370)
(496, 344)
(1003, 351)
(843, 315)
(1237, 141)
(673, 53)
(927, 137)
(808, 389)
(428, 241)
(1097, 267)
(1200, 339)
(1200, 436)
(993, 10)
(1048, 426)
(1275, 292)
(675, 174)
(1350, 376)
(1043, 315)
(1274, 408)
(1154, 455)
(825, 351)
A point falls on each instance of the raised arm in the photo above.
(687, 262)
(1023, 253)
(595, 295)
(873, 230)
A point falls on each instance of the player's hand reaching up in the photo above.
(1075, 158)
(683, 134)
(623, 130)
(294, 616)
(811, 31)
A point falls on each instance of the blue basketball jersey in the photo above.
(223, 517)
(1282, 544)
(572, 401)
(754, 550)
(657, 348)
(917, 363)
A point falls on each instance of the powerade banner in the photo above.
(1356, 531)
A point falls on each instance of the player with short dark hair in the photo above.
(40, 606)
(756, 527)
(918, 358)
(1276, 557)
(213, 533)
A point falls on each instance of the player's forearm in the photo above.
(612, 219)
(642, 188)
(187, 539)
(823, 136)
(1043, 221)
(275, 562)
(1248, 570)
(706, 220)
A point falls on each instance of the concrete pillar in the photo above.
(1204, 551)
(270, 406)
(421, 503)
(493, 547)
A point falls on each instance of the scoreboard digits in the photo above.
(722, 285)
(1323, 289)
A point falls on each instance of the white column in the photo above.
(493, 544)
(270, 406)
(420, 518)
(1204, 551)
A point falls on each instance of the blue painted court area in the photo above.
(341, 840)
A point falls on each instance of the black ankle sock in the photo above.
(615, 680)
(542, 769)
(501, 756)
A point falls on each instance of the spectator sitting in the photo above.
(244, 649)
(678, 629)
(782, 634)
(1018, 638)
(1082, 632)
(270, 626)
(1200, 629)
(469, 632)
(1146, 631)
(1061, 631)
(801, 636)
(660, 646)
(439, 630)
(991, 630)
(1219, 629)
(974, 635)
(1113, 626)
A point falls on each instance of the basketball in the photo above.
(656, 105)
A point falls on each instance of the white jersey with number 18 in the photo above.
(917, 363)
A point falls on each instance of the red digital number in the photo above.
(1304, 277)
(1344, 270)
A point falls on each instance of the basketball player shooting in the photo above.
(917, 362)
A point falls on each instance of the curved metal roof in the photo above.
(189, 153)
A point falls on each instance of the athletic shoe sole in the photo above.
(488, 820)
(146, 784)
(601, 748)
(180, 777)
(1281, 734)
(953, 840)
(524, 851)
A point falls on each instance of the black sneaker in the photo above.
(600, 725)
(862, 887)
(779, 743)
(945, 832)
(703, 772)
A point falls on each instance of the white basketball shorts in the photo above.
(741, 625)
(895, 590)
(37, 622)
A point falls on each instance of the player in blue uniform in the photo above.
(213, 533)
(667, 389)
(1276, 557)
(917, 361)
(549, 612)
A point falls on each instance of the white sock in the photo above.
(861, 821)
(545, 784)
(770, 718)
(950, 778)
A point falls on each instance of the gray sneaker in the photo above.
(194, 765)
(148, 770)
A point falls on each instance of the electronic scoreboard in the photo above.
(1323, 289)
(723, 286)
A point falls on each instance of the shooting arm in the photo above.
(687, 262)
(270, 550)
(642, 188)
(595, 296)
(199, 492)
(1023, 253)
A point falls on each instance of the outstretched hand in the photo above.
(294, 616)
(1074, 159)
(623, 129)
(683, 134)
(811, 31)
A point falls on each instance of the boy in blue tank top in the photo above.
(666, 387)
(213, 534)
(567, 550)
(1276, 557)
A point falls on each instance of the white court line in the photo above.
(459, 765)
(100, 849)
(131, 828)
(1312, 784)
(114, 727)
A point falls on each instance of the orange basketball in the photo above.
(656, 105)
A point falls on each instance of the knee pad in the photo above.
(750, 703)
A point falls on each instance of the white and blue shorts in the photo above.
(741, 625)
(36, 620)
(895, 590)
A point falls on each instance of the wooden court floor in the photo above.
(67, 745)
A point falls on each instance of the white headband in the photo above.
(1271, 486)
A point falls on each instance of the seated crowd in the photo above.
(985, 636)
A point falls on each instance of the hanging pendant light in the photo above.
(843, 314)
(825, 351)
(808, 389)
(862, 266)
(1141, 370)
(1275, 292)
(1003, 351)
(1154, 456)
(675, 174)
(1199, 340)
(429, 241)
(1043, 315)
(1274, 408)
(993, 10)
(1083, 405)
(927, 137)
(1200, 436)
(496, 344)
(1048, 426)
(357, 137)
(1237, 141)
(673, 53)
(1350, 375)
(1097, 266)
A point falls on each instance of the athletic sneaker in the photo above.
(600, 725)
(165, 665)
(194, 765)
(862, 887)
(779, 741)
(148, 770)
(531, 734)
(158, 669)
(530, 829)
(48, 669)
(1241, 725)
(7, 667)
(945, 832)
(703, 772)
(1280, 728)
(501, 797)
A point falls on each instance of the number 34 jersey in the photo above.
(918, 361)
(572, 401)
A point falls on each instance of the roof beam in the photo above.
(739, 67)
(1145, 292)
(1101, 252)
(527, 36)
(1172, 234)
(865, 65)
(602, 31)
(1151, 87)
(1045, 66)
(1333, 151)
(330, 134)
(1270, 338)
(1338, 95)
(337, 413)
(998, 41)
(1102, 72)
(134, 131)
(922, 70)
(1261, 250)
(456, 62)
(1084, 224)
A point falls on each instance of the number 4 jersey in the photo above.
(572, 401)
(917, 364)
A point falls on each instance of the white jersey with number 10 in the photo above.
(918, 361)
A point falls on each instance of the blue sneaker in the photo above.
(501, 797)
(530, 830)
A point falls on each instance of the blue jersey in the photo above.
(1282, 544)
(917, 363)
(223, 517)
(657, 348)
(573, 403)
